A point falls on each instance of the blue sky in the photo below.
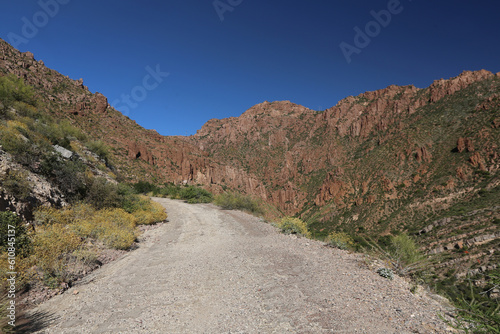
(261, 50)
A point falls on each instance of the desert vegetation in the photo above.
(84, 213)
(236, 201)
(291, 225)
(190, 193)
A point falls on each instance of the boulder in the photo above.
(67, 154)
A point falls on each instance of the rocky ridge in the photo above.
(395, 159)
(141, 154)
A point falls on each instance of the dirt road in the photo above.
(215, 271)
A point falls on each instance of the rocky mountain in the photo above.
(307, 156)
(139, 153)
(425, 161)
(421, 160)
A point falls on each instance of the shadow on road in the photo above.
(30, 323)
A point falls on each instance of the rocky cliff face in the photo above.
(140, 153)
(396, 159)
(365, 150)
(289, 146)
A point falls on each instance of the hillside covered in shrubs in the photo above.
(60, 194)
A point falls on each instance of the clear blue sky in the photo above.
(261, 50)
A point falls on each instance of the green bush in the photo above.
(340, 240)
(143, 187)
(170, 190)
(59, 133)
(100, 148)
(400, 253)
(132, 203)
(71, 132)
(103, 194)
(194, 194)
(290, 225)
(23, 244)
(386, 272)
(15, 183)
(21, 148)
(235, 201)
(66, 174)
(404, 250)
(13, 89)
(479, 316)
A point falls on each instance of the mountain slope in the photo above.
(139, 154)
(393, 160)
(400, 159)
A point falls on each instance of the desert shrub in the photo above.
(103, 194)
(13, 89)
(149, 214)
(85, 256)
(404, 249)
(143, 187)
(474, 315)
(44, 216)
(71, 132)
(340, 240)
(100, 148)
(194, 194)
(62, 234)
(386, 272)
(15, 183)
(133, 202)
(168, 190)
(68, 175)
(21, 148)
(158, 212)
(51, 245)
(290, 225)
(115, 227)
(23, 243)
(81, 220)
(401, 254)
(235, 201)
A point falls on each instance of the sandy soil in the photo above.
(215, 271)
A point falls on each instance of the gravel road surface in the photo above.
(215, 271)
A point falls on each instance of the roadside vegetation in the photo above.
(189, 193)
(60, 241)
(290, 225)
(236, 201)
(477, 305)
(97, 215)
(479, 315)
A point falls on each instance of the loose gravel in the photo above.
(213, 271)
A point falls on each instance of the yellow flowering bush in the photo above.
(340, 240)
(290, 225)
